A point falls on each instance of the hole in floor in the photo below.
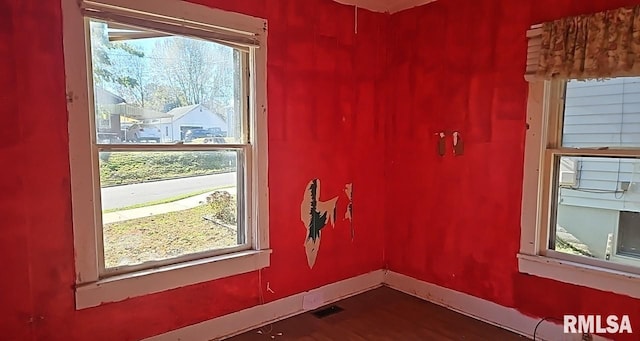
(324, 312)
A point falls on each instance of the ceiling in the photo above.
(389, 6)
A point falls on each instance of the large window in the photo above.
(594, 157)
(581, 201)
(582, 183)
(167, 145)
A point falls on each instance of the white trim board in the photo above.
(480, 309)
(474, 307)
(245, 320)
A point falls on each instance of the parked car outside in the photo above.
(143, 132)
(193, 134)
(108, 137)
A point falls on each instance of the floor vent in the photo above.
(324, 312)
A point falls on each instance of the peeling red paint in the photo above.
(344, 107)
(318, 126)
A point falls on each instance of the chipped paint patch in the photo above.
(315, 214)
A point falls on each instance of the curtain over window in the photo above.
(600, 45)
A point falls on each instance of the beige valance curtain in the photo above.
(601, 45)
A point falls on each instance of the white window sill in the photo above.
(146, 282)
(619, 282)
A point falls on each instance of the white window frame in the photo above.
(544, 123)
(92, 289)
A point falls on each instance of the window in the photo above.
(601, 115)
(582, 152)
(582, 192)
(167, 131)
(629, 235)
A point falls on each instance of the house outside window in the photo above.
(595, 193)
(582, 154)
(153, 210)
(581, 186)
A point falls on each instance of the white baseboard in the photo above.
(480, 309)
(477, 308)
(244, 320)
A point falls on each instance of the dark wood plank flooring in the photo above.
(381, 314)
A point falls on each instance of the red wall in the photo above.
(325, 121)
(343, 108)
(455, 221)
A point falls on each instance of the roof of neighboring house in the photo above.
(162, 120)
(132, 111)
(181, 111)
(106, 97)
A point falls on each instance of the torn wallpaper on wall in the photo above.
(348, 215)
(315, 214)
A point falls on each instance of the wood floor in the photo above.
(381, 314)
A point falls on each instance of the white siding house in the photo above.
(601, 114)
(166, 128)
(185, 118)
(593, 191)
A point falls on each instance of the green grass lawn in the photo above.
(164, 236)
(124, 168)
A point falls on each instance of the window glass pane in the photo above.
(602, 113)
(162, 205)
(152, 87)
(597, 205)
(629, 234)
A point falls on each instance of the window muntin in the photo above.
(176, 138)
(594, 162)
